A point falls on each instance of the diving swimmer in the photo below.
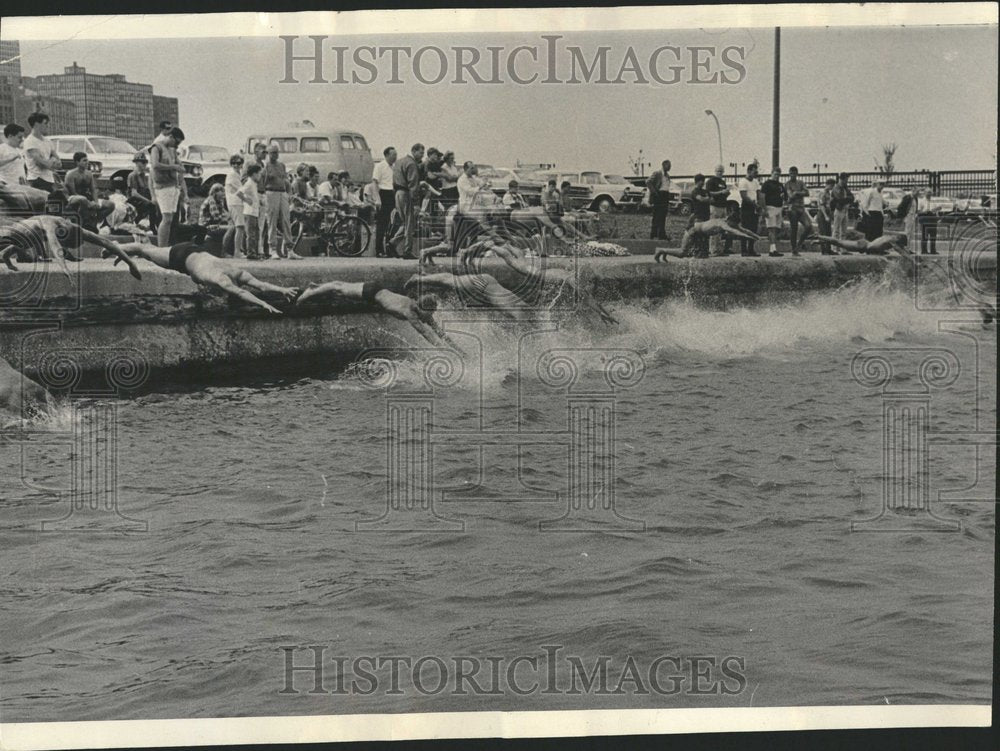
(419, 314)
(707, 228)
(482, 286)
(516, 258)
(878, 246)
(54, 236)
(204, 268)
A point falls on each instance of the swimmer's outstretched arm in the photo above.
(350, 290)
(441, 279)
(728, 229)
(441, 249)
(432, 333)
(115, 250)
(516, 262)
(249, 280)
(223, 282)
(152, 253)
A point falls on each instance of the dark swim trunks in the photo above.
(179, 254)
(368, 292)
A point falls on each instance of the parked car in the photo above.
(328, 149)
(213, 161)
(114, 156)
(942, 204)
(532, 184)
(591, 190)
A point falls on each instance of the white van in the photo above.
(327, 149)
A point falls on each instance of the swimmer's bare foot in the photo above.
(660, 256)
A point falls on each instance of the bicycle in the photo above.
(341, 232)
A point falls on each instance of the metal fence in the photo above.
(945, 182)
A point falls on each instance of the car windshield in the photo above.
(112, 146)
(208, 153)
(615, 179)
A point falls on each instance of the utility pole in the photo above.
(776, 116)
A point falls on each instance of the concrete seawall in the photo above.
(169, 322)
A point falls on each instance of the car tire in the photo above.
(603, 205)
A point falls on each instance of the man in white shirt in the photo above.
(468, 186)
(324, 191)
(11, 157)
(872, 207)
(513, 199)
(371, 195)
(382, 175)
(750, 205)
(40, 154)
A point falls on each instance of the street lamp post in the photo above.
(817, 166)
(718, 131)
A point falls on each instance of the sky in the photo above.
(845, 92)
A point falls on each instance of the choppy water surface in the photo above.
(747, 450)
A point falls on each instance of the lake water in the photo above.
(746, 450)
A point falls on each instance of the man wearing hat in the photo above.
(276, 185)
(138, 191)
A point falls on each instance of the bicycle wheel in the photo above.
(349, 236)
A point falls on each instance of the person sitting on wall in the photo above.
(79, 183)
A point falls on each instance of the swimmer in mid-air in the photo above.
(50, 238)
(483, 287)
(418, 313)
(517, 258)
(204, 268)
(878, 246)
(707, 228)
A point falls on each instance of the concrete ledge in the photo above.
(177, 325)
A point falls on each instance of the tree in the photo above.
(886, 167)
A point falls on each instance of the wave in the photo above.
(870, 311)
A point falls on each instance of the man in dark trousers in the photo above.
(751, 201)
(718, 193)
(797, 193)
(387, 197)
(406, 178)
(659, 186)
(700, 212)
